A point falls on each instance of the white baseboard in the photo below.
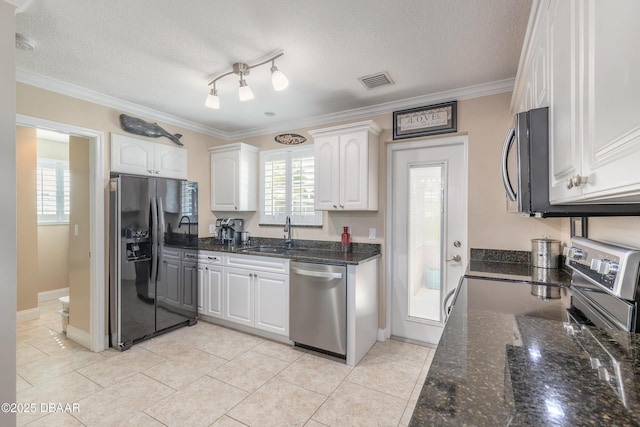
(78, 335)
(54, 294)
(30, 314)
(383, 334)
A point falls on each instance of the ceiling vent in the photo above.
(376, 80)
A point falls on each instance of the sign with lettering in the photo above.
(430, 120)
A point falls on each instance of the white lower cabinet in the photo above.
(272, 302)
(247, 290)
(210, 278)
(238, 296)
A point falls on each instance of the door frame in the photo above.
(96, 339)
(410, 145)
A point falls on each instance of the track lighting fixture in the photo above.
(278, 79)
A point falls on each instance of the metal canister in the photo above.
(545, 253)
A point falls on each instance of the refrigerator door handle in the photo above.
(160, 234)
(508, 143)
(154, 239)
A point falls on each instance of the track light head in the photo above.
(278, 79)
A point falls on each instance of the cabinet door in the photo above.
(214, 296)
(131, 155)
(538, 90)
(611, 150)
(225, 172)
(202, 288)
(272, 302)
(238, 296)
(354, 171)
(189, 290)
(327, 177)
(564, 142)
(170, 276)
(170, 161)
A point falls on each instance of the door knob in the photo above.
(456, 258)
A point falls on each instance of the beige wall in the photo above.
(27, 230)
(79, 243)
(53, 257)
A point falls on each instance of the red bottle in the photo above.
(346, 240)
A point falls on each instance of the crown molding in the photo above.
(64, 88)
(468, 92)
(84, 94)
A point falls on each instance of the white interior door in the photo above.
(427, 233)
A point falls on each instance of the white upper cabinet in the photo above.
(578, 59)
(346, 164)
(611, 99)
(234, 177)
(142, 157)
(564, 140)
(532, 84)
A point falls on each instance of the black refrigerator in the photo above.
(146, 216)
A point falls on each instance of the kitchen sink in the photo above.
(272, 250)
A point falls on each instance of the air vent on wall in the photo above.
(376, 80)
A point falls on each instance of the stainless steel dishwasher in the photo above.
(318, 307)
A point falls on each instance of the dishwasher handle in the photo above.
(322, 274)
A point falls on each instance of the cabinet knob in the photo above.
(157, 172)
(576, 181)
(342, 206)
(335, 207)
(149, 170)
(235, 207)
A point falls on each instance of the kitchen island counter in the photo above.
(498, 364)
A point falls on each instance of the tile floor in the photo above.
(208, 375)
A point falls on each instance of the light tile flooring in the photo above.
(207, 375)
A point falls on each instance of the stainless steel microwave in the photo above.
(528, 141)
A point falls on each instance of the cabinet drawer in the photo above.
(169, 252)
(258, 263)
(208, 257)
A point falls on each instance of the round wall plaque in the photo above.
(290, 139)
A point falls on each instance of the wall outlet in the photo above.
(372, 233)
(212, 229)
(75, 229)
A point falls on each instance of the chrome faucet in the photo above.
(287, 229)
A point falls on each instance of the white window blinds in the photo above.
(287, 187)
(52, 191)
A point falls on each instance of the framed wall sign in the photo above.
(429, 120)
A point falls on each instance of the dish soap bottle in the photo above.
(346, 240)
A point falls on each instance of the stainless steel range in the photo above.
(605, 283)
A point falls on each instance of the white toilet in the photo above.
(64, 313)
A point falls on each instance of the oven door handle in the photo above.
(506, 147)
(594, 314)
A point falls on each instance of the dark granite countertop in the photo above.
(506, 359)
(307, 250)
(513, 271)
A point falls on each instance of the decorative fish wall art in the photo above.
(140, 127)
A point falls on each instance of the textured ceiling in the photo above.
(161, 54)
